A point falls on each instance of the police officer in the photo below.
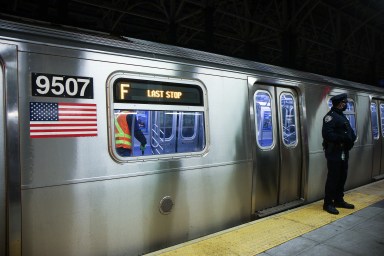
(339, 138)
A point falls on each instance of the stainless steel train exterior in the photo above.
(228, 140)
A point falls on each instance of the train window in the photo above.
(189, 122)
(263, 119)
(166, 135)
(142, 120)
(152, 118)
(349, 113)
(288, 114)
(164, 124)
(382, 118)
(375, 121)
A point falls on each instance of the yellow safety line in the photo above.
(260, 235)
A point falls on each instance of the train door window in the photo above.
(263, 119)
(151, 118)
(288, 119)
(382, 118)
(142, 120)
(375, 121)
(350, 114)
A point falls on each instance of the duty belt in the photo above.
(332, 145)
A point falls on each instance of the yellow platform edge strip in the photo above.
(263, 234)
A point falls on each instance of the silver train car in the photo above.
(228, 141)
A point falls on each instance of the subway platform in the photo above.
(307, 230)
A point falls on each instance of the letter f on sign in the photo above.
(123, 90)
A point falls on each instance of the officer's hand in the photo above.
(142, 147)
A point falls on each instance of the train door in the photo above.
(10, 175)
(277, 149)
(377, 119)
(2, 164)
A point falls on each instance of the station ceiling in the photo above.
(337, 38)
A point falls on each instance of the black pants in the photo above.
(337, 175)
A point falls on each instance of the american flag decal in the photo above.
(55, 120)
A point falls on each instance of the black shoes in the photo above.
(330, 209)
(344, 205)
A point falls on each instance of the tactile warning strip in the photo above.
(260, 235)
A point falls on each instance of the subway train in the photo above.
(227, 141)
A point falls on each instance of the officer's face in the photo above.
(343, 105)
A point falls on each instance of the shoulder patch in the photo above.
(327, 118)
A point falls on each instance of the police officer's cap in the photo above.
(339, 98)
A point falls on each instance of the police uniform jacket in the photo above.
(338, 134)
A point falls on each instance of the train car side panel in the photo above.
(122, 217)
(73, 185)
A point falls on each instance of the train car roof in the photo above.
(51, 32)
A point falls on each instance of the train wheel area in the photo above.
(307, 230)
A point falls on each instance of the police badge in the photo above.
(327, 118)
